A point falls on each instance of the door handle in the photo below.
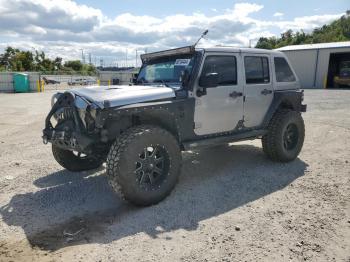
(266, 92)
(235, 94)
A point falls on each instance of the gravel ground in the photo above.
(231, 203)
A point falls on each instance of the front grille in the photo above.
(68, 113)
(65, 113)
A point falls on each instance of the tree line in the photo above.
(14, 59)
(338, 30)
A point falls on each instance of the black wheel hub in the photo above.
(152, 167)
(290, 137)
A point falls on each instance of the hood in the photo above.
(112, 96)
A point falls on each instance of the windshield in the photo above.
(165, 70)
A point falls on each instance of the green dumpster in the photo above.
(21, 82)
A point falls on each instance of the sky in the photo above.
(113, 32)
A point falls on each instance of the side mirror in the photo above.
(184, 78)
(209, 80)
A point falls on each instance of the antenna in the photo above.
(203, 34)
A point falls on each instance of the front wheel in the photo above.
(74, 161)
(143, 165)
(285, 136)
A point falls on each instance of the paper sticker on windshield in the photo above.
(182, 62)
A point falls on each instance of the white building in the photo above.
(317, 64)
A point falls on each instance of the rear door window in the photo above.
(283, 71)
(256, 70)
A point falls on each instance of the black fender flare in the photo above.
(289, 99)
(176, 116)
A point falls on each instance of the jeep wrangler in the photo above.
(182, 99)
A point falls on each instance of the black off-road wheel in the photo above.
(285, 136)
(143, 165)
(74, 161)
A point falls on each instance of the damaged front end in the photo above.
(70, 124)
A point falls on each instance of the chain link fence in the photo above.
(7, 81)
(41, 81)
(61, 81)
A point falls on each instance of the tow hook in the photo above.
(73, 142)
(45, 140)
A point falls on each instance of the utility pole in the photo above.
(89, 58)
(126, 58)
(137, 55)
(136, 58)
(82, 56)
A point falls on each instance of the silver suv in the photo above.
(182, 99)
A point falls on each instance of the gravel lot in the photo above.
(231, 203)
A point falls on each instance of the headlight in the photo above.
(54, 98)
(80, 103)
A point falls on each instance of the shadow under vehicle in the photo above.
(213, 181)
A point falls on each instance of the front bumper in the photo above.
(69, 133)
(303, 108)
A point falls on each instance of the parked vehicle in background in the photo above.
(343, 78)
(50, 81)
(82, 81)
(182, 99)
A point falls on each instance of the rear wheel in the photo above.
(75, 161)
(285, 136)
(143, 165)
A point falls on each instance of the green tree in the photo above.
(57, 63)
(266, 43)
(338, 30)
(76, 65)
(16, 60)
(89, 69)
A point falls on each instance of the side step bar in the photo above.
(206, 142)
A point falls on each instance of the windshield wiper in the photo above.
(161, 81)
(141, 81)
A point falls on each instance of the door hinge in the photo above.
(240, 124)
(243, 98)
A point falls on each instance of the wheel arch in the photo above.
(161, 118)
(291, 100)
(175, 116)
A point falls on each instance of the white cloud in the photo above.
(63, 27)
(278, 14)
(306, 23)
(244, 9)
